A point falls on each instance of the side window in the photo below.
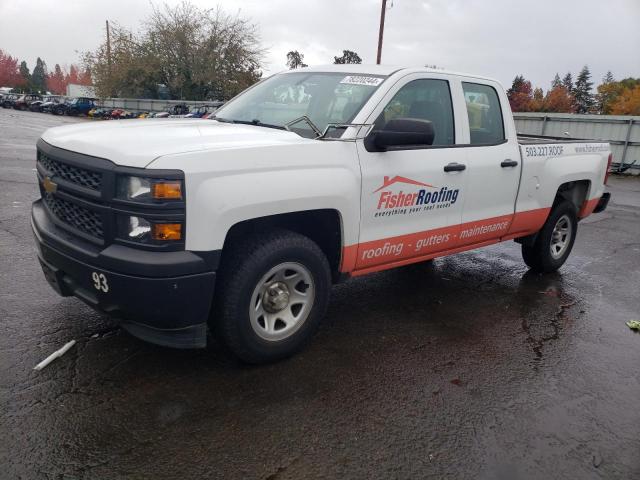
(484, 112)
(426, 100)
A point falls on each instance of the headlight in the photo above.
(141, 230)
(141, 189)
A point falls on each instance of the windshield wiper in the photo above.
(308, 121)
(255, 122)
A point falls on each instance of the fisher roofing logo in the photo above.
(439, 197)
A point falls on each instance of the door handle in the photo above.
(508, 163)
(454, 167)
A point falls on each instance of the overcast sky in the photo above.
(496, 38)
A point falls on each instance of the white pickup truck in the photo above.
(241, 224)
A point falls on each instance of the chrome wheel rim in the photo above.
(281, 301)
(561, 236)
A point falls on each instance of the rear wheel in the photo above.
(555, 240)
(274, 290)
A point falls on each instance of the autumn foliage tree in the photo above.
(520, 95)
(558, 100)
(9, 71)
(627, 102)
(60, 77)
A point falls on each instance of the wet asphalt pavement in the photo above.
(469, 368)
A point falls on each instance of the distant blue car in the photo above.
(76, 106)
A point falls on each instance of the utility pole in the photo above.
(109, 57)
(381, 32)
(108, 47)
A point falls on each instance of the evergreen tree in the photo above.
(26, 76)
(556, 81)
(608, 92)
(582, 91)
(39, 76)
(567, 82)
(608, 78)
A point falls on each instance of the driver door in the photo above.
(411, 199)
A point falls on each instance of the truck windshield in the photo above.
(324, 98)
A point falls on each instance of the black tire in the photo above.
(539, 256)
(243, 268)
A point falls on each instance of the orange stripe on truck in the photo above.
(588, 207)
(377, 255)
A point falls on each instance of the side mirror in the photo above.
(401, 132)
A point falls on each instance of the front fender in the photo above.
(226, 187)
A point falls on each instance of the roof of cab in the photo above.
(380, 70)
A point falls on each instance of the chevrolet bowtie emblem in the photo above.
(49, 185)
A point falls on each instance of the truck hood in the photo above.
(136, 143)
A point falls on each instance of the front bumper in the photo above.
(161, 297)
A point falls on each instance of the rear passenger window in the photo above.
(426, 99)
(485, 114)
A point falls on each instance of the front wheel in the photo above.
(274, 291)
(555, 240)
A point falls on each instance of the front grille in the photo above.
(83, 219)
(79, 176)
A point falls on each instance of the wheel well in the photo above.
(575, 192)
(322, 226)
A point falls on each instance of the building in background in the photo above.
(74, 90)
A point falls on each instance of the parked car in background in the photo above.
(75, 106)
(23, 102)
(179, 110)
(199, 112)
(8, 100)
(49, 104)
(37, 106)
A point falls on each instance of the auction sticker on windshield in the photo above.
(362, 80)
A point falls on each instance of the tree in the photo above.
(72, 76)
(627, 103)
(39, 76)
(295, 59)
(582, 91)
(56, 82)
(520, 95)
(559, 100)
(9, 71)
(567, 81)
(608, 90)
(196, 53)
(26, 75)
(537, 103)
(347, 57)
(556, 81)
(608, 78)
(84, 77)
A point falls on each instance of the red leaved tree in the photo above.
(55, 81)
(559, 100)
(9, 71)
(58, 80)
(520, 95)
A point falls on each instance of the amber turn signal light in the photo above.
(167, 231)
(167, 190)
